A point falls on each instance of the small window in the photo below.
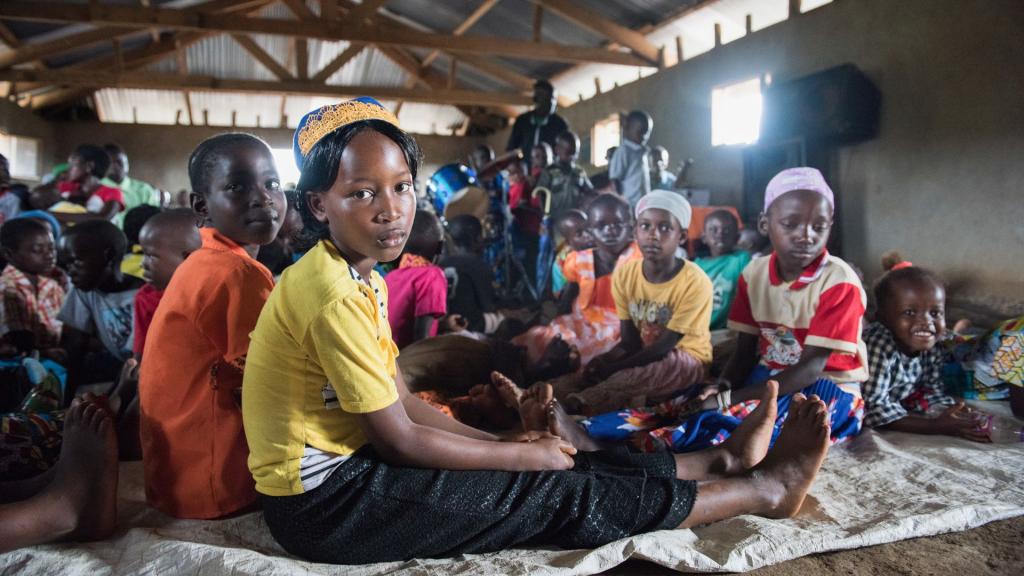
(736, 113)
(22, 154)
(287, 171)
(808, 5)
(605, 135)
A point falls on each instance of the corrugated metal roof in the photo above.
(222, 57)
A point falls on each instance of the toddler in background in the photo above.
(904, 388)
(571, 226)
(724, 263)
(167, 239)
(417, 289)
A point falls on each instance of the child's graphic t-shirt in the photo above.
(823, 307)
(724, 272)
(683, 305)
(107, 315)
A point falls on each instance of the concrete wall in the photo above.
(159, 154)
(943, 181)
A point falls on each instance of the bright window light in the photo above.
(22, 154)
(286, 168)
(736, 113)
(605, 135)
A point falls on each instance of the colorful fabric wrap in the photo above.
(323, 121)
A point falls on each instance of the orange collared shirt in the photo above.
(194, 449)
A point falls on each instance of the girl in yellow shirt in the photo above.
(354, 469)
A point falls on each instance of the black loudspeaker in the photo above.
(839, 105)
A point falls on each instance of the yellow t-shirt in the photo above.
(321, 352)
(683, 305)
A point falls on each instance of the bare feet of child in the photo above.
(81, 501)
(540, 408)
(786, 474)
(86, 477)
(748, 444)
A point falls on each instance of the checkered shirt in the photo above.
(895, 377)
(30, 307)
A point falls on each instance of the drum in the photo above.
(447, 182)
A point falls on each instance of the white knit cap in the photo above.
(671, 202)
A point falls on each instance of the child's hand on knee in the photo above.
(549, 453)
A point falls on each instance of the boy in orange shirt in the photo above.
(193, 446)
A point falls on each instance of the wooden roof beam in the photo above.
(62, 45)
(288, 87)
(190, 19)
(466, 24)
(588, 19)
(261, 55)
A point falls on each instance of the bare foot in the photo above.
(748, 444)
(509, 392)
(534, 406)
(85, 481)
(788, 471)
(125, 390)
(562, 425)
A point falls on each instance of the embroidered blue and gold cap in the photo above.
(326, 119)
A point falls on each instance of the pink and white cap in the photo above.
(802, 178)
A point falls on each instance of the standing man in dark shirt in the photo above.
(538, 125)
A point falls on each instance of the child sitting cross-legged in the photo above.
(798, 314)
(904, 362)
(354, 469)
(724, 263)
(588, 319)
(664, 305)
(99, 306)
(31, 299)
(193, 448)
(167, 238)
(417, 289)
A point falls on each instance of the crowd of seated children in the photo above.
(417, 289)
(588, 319)
(663, 304)
(359, 470)
(83, 188)
(629, 167)
(724, 262)
(336, 431)
(799, 318)
(97, 312)
(194, 449)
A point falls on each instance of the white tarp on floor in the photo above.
(879, 488)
